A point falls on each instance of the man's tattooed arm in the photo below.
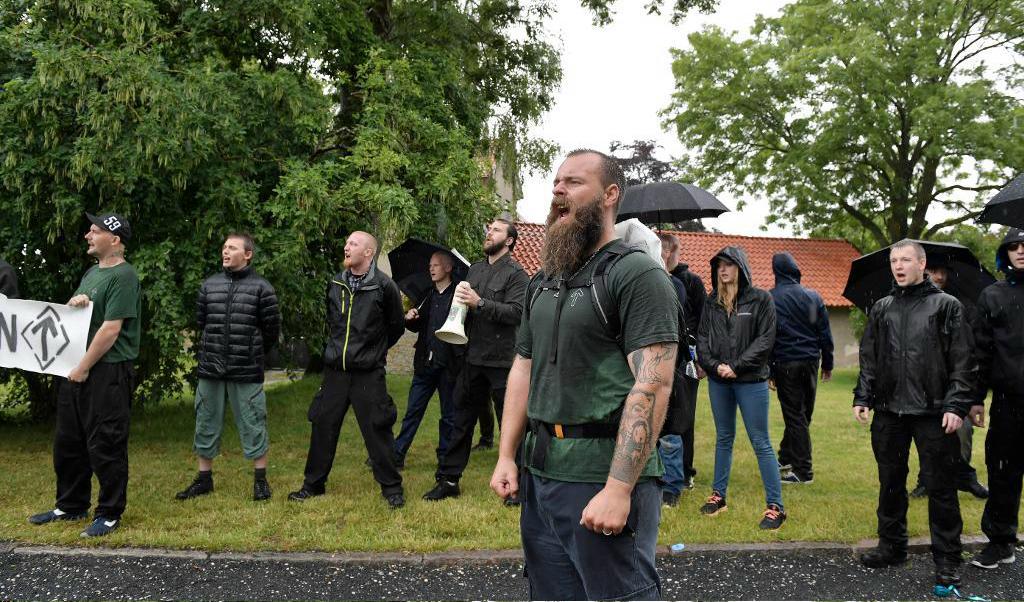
(644, 411)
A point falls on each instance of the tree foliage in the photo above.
(641, 165)
(295, 120)
(603, 9)
(875, 120)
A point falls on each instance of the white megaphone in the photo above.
(454, 330)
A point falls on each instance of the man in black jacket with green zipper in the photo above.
(364, 318)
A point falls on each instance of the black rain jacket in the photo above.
(363, 325)
(695, 296)
(744, 339)
(915, 354)
(492, 328)
(8, 280)
(999, 330)
(239, 321)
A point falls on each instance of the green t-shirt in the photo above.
(116, 295)
(591, 378)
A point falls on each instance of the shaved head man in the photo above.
(364, 317)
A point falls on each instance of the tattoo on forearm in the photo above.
(653, 368)
(647, 363)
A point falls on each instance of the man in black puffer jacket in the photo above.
(364, 320)
(918, 375)
(1000, 352)
(239, 321)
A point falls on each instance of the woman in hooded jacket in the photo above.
(734, 344)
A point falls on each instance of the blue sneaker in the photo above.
(54, 515)
(101, 526)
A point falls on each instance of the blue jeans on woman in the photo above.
(752, 400)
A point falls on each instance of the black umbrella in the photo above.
(668, 202)
(410, 264)
(871, 278)
(1007, 207)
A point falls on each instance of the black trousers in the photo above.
(891, 435)
(1004, 456)
(796, 384)
(687, 434)
(92, 438)
(487, 422)
(477, 386)
(367, 394)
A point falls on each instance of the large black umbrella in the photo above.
(1007, 207)
(410, 264)
(668, 202)
(871, 278)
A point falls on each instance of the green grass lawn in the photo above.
(838, 506)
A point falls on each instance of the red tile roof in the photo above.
(824, 263)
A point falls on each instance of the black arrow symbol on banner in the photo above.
(51, 327)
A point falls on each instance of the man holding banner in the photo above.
(93, 403)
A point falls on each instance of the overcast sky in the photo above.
(617, 79)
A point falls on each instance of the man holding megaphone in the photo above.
(493, 294)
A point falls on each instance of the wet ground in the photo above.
(39, 573)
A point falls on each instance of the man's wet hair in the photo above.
(446, 259)
(611, 171)
(668, 240)
(913, 244)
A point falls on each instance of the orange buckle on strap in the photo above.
(558, 431)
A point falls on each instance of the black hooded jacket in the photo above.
(803, 332)
(8, 280)
(915, 355)
(239, 321)
(743, 339)
(362, 324)
(999, 331)
(695, 296)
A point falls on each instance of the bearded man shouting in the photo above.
(594, 399)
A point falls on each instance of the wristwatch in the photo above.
(480, 304)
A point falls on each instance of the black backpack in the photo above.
(608, 313)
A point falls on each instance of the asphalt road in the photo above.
(30, 573)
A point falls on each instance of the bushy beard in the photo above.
(494, 248)
(568, 244)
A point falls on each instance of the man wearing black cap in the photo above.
(93, 403)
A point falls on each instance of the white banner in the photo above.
(42, 337)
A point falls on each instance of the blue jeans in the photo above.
(670, 448)
(424, 383)
(752, 400)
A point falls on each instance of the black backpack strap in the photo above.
(606, 306)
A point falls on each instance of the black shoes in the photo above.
(976, 489)
(442, 489)
(882, 557)
(260, 490)
(919, 491)
(56, 515)
(947, 574)
(302, 495)
(395, 501)
(791, 478)
(484, 444)
(772, 518)
(993, 555)
(200, 486)
(714, 505)
(669, 499)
